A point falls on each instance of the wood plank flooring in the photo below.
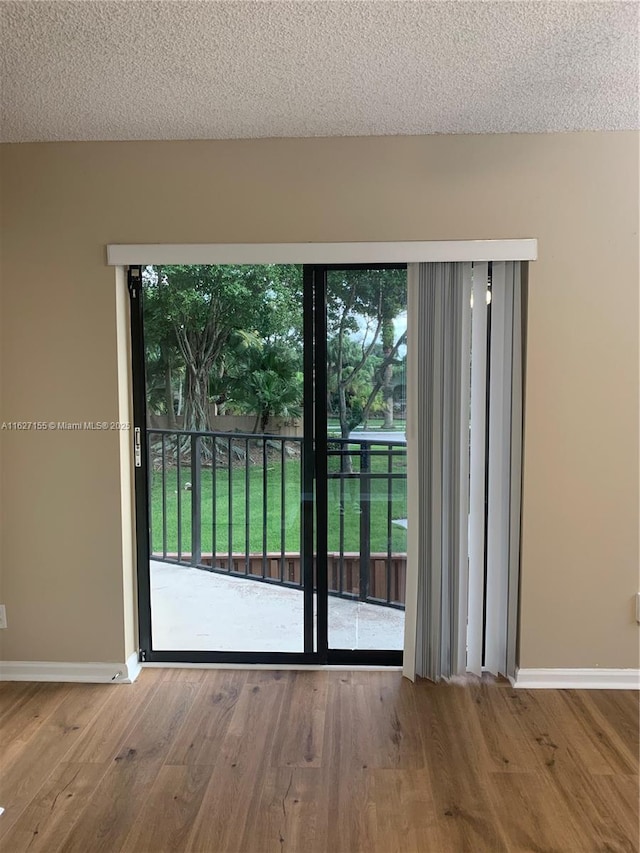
(224, 761)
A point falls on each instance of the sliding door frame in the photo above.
(314, 508)
(332, 656)
(140, 459)
(312, 651)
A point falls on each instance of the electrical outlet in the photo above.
(3, 616)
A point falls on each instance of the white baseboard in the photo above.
(598, 678)
(91, 673)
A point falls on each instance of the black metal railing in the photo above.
(231, 503)
(377, 469)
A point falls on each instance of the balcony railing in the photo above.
(231, 503)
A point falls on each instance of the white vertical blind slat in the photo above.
(515, 484)
(460, 650)
(433, 469)
(499, 469)
(477, 467)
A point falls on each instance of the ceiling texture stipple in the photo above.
(96, 70)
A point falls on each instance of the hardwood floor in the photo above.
(315, 762)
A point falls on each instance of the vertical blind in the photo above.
(464, 436)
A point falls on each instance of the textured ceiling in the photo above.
(191, 70)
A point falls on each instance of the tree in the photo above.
(269, 383)
(361, 304)
(347, 402)
(200, 309)
(163, 360)
(384, 381)
(201, 322)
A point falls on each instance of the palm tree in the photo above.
(268, 383)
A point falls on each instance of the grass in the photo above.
(399, 425)
(246, 530)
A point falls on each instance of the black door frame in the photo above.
(141, 474)
(314, 510)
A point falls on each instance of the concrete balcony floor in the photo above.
(196, 610)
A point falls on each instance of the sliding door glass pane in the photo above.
(224, 400)
(366, 415)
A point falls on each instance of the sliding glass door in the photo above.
(360, 457)
(270, 462)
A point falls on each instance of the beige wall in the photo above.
(67, 574)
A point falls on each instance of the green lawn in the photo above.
(249, 527)
(399, 425)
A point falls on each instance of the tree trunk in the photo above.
(196, 398)
(387, 396)
(346, 462)
(343, 413)
(168, 396)
(262, 419)
(180, 396)
(389, 358)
